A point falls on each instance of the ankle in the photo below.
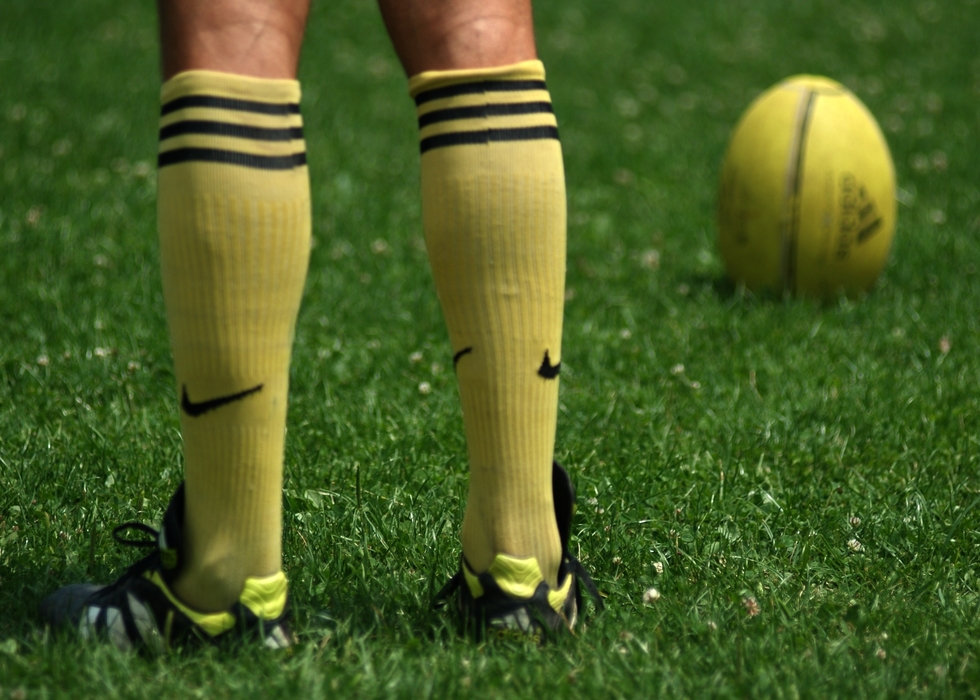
(208, 589)
(480, 555)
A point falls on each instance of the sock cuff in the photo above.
(275, 95)
(233, 120)
(420, 86)
(483, 106)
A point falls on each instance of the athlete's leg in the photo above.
(439, 35)
(494, 217)
(234, 219)
(257, 38)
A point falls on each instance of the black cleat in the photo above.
(140, 611)
(512, 599)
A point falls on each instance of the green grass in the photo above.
(793, 428)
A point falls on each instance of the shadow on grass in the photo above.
(399, 619)
(20, 599)
(723, 288)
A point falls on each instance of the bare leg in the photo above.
(260, 38)
(454, 34)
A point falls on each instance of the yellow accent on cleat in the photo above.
(473, 581)
(265, 597)
(211, 623)
(518, 578)
(557, 598)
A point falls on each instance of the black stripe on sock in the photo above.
(481, 86)
(484, 111)
(277, 108)
(463, 138)
(214, 155)
(236, 130)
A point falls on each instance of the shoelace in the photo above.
(138, 567)
(134, 525)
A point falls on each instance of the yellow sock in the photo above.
(234, 219)
(493, 203)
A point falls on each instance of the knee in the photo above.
(261, 38)
(459, 34)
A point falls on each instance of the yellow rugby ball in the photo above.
(807, 196)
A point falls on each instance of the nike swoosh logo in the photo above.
(548, 370)
(459, 355)
(200, 408)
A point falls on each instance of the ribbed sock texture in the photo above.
(493, 202)
(234, 220)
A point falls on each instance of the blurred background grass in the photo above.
(819, 460)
